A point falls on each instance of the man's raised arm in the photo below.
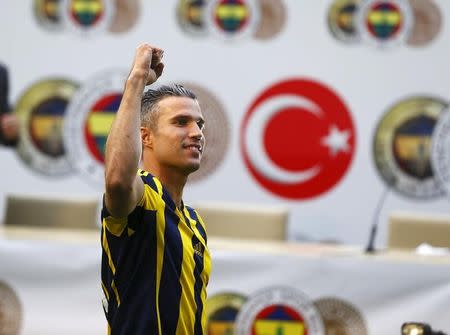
(123, 188)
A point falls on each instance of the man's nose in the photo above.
(196, 132)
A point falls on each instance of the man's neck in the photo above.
(172, 180)
(174, 184)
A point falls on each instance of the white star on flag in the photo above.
(337, 140)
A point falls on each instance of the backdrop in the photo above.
(326, 107)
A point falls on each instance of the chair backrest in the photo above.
(256, 222)
(62, 212)
(409, 230)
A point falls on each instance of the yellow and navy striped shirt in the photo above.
(155, 267)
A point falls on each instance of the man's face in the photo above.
(178, 140)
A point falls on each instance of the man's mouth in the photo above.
(194, 147)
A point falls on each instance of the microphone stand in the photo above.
(375, 222)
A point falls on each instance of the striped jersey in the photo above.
(155, 267)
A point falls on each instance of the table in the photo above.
(51, 281)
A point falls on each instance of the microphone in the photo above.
(370, 248)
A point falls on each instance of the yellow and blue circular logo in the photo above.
(87, 16)
(279, 310)
(98, 122)
(86, 12)
(385, 23)
(88, 120)
(402, 146)
(190, 16)
(233, 19)
(221, 312)
(41, 110)
(342, 20)
(48, 14)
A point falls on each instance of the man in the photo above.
(155, 262)
(9, 124)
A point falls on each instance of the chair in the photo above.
(255, 222)
(408, 230)
(57, 211)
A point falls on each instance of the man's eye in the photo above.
(201, 124)
(182, 122)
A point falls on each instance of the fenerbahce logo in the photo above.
(86, 17)
(274, 313)
(41, 110)
(403, 149)
(221, 312)
(91, 113)
(232, 19)
(298, 139)
(88, 119)
(279, 310)
(385, 22)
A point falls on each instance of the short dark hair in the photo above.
(151, 97)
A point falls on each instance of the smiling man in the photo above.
(155, 261)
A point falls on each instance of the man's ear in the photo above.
(146, 137)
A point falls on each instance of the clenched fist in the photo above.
(147, 63)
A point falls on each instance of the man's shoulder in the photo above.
(148, 179)
(192, 213)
